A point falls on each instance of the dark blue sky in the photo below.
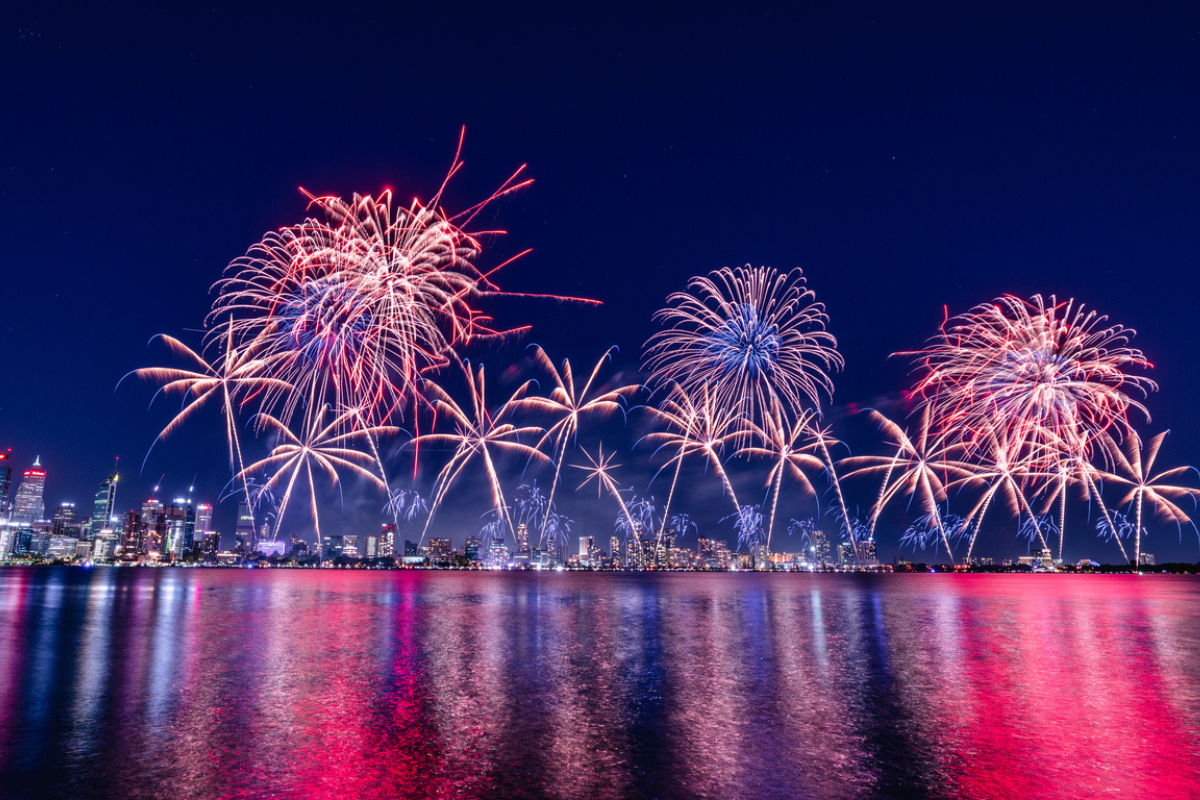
(905, 157)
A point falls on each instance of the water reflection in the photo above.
(158, 683)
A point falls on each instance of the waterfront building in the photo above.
(522, 555)
(371, 547)
(179, 526)
(5, 481)
(28, 504)
(131, 534)
(1146, 560)
(614, 551)
(387, 540)
(66, 520)
(586, 545)
(62, 547)
(204, 513)
(410, 549)
(350, 545)
(104, 545)
(106, 495)
(820, 548)
(440, 551)
(472, 547)
(334, 544)
(244, 532)
(498, 555)
(211, 546)
(152, 528)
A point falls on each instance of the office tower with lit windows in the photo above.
(66, 520)
(472, 548)
(131, 534)
(203, 519)
(244, 532)
(152, 526)
(5, 481)
(28, 505)
(106, 496)
(387, 540)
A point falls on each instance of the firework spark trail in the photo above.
(781, 442)
(1135, 469)
(600, 469)
(697, 425)
(233, 372)
(750, 335)
(477, 432)
(1047, 371)
(325, 440)
(920, 467)
(571, 406)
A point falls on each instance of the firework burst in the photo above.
(749, 336)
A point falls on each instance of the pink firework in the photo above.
(1052, 374)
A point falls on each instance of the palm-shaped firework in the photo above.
(326, 441)
(570, 405)
(1135, 469)
(478, 434)
(919, 468)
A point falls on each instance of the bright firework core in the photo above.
(747, 341)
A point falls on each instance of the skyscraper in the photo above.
(28, 505)
(106, 495)
(5, 482)
(203, 518)
(244, 532)
(152, 527)
(66, 520)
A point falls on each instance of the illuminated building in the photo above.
(131, 534)
(440, 551)
(28, 505)
(211, 546)
(350, 545)
(66, 520)
(270, 548)
(586, 543)
(471, 548)
(106, 495)
(244, 532)
(614, 551)
(204, 518)
(5, 481)
(522, 553)
(387, 541)
(152, 527)
(410, 549)
(62, 547)
(371, 550)
(179, 523)
(820, 548)
(104, 544)
(498, 555)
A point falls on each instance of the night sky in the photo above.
(906, 158)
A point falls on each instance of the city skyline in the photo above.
(1066, 170)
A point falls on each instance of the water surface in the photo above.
(329, 684)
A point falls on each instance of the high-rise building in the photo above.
(106, 495)
(212, 543)
(131, 534)
(244, 532)
(614, 551)
(66, 520)
(152, 526)
(203, 518)
(472, 547)
(179, 527)
(522, 554)
(821, 553)
(5, 481)
(28, 505)
(387, 540)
